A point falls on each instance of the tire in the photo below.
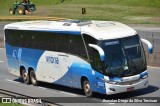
(87, 88)
(33, 78)
(11, 11)
(25, 77)
(21, 10)
(33, 7)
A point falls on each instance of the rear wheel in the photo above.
(33, 7)
(87, 88)
(25, 77)
(21, 10)
(33, 78)
(11, 11)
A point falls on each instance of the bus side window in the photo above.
(64, 43)
(95, 61)
(77, 46)
(12, 37)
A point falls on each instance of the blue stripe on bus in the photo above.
(60, 32)
(73, 75)
(78, 70)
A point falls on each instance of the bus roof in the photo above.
(100, 30)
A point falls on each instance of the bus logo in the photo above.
(53, 60)
(17, 55)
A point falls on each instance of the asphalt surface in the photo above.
(14, 84)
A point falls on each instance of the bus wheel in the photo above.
(25, 77)
(33, 78)
(87, 88)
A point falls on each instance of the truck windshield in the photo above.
(123, 57)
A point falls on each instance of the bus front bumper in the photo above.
(115, 88)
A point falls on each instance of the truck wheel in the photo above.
(25, 77)
(87, 88)
(33, 78)
(21, 10)
(33, 7)
(11, 11)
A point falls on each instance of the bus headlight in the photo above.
(145, 76)
(110, 82)
(113, 82)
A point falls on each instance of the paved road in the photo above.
(14, 84)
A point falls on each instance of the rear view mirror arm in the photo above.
(99, 49)
(150, 46)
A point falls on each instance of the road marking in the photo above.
(111, 103)
(20, 82)
(27, 104)
(41, 87)
(153, 67)
(1, 48)
(68, 93)
(12, 81)
(1, 61)
(98, 100)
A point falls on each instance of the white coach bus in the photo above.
(97, 56)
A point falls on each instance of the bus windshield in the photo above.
(123, 57)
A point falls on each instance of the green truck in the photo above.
(22, 7)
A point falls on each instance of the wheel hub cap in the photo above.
(87, 88)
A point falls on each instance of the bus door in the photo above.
(97, 65)
(64, 63)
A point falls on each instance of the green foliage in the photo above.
(128, 11)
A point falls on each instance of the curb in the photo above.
(19, 18)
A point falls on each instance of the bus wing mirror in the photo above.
(150, 46)
(100, 51)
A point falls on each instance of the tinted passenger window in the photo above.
(77, 46)
(50, 41)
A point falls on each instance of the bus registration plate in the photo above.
(130, 89)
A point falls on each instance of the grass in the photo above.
(126, 11)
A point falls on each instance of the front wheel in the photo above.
(33, 78)
(87, 88)
(25, 77)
